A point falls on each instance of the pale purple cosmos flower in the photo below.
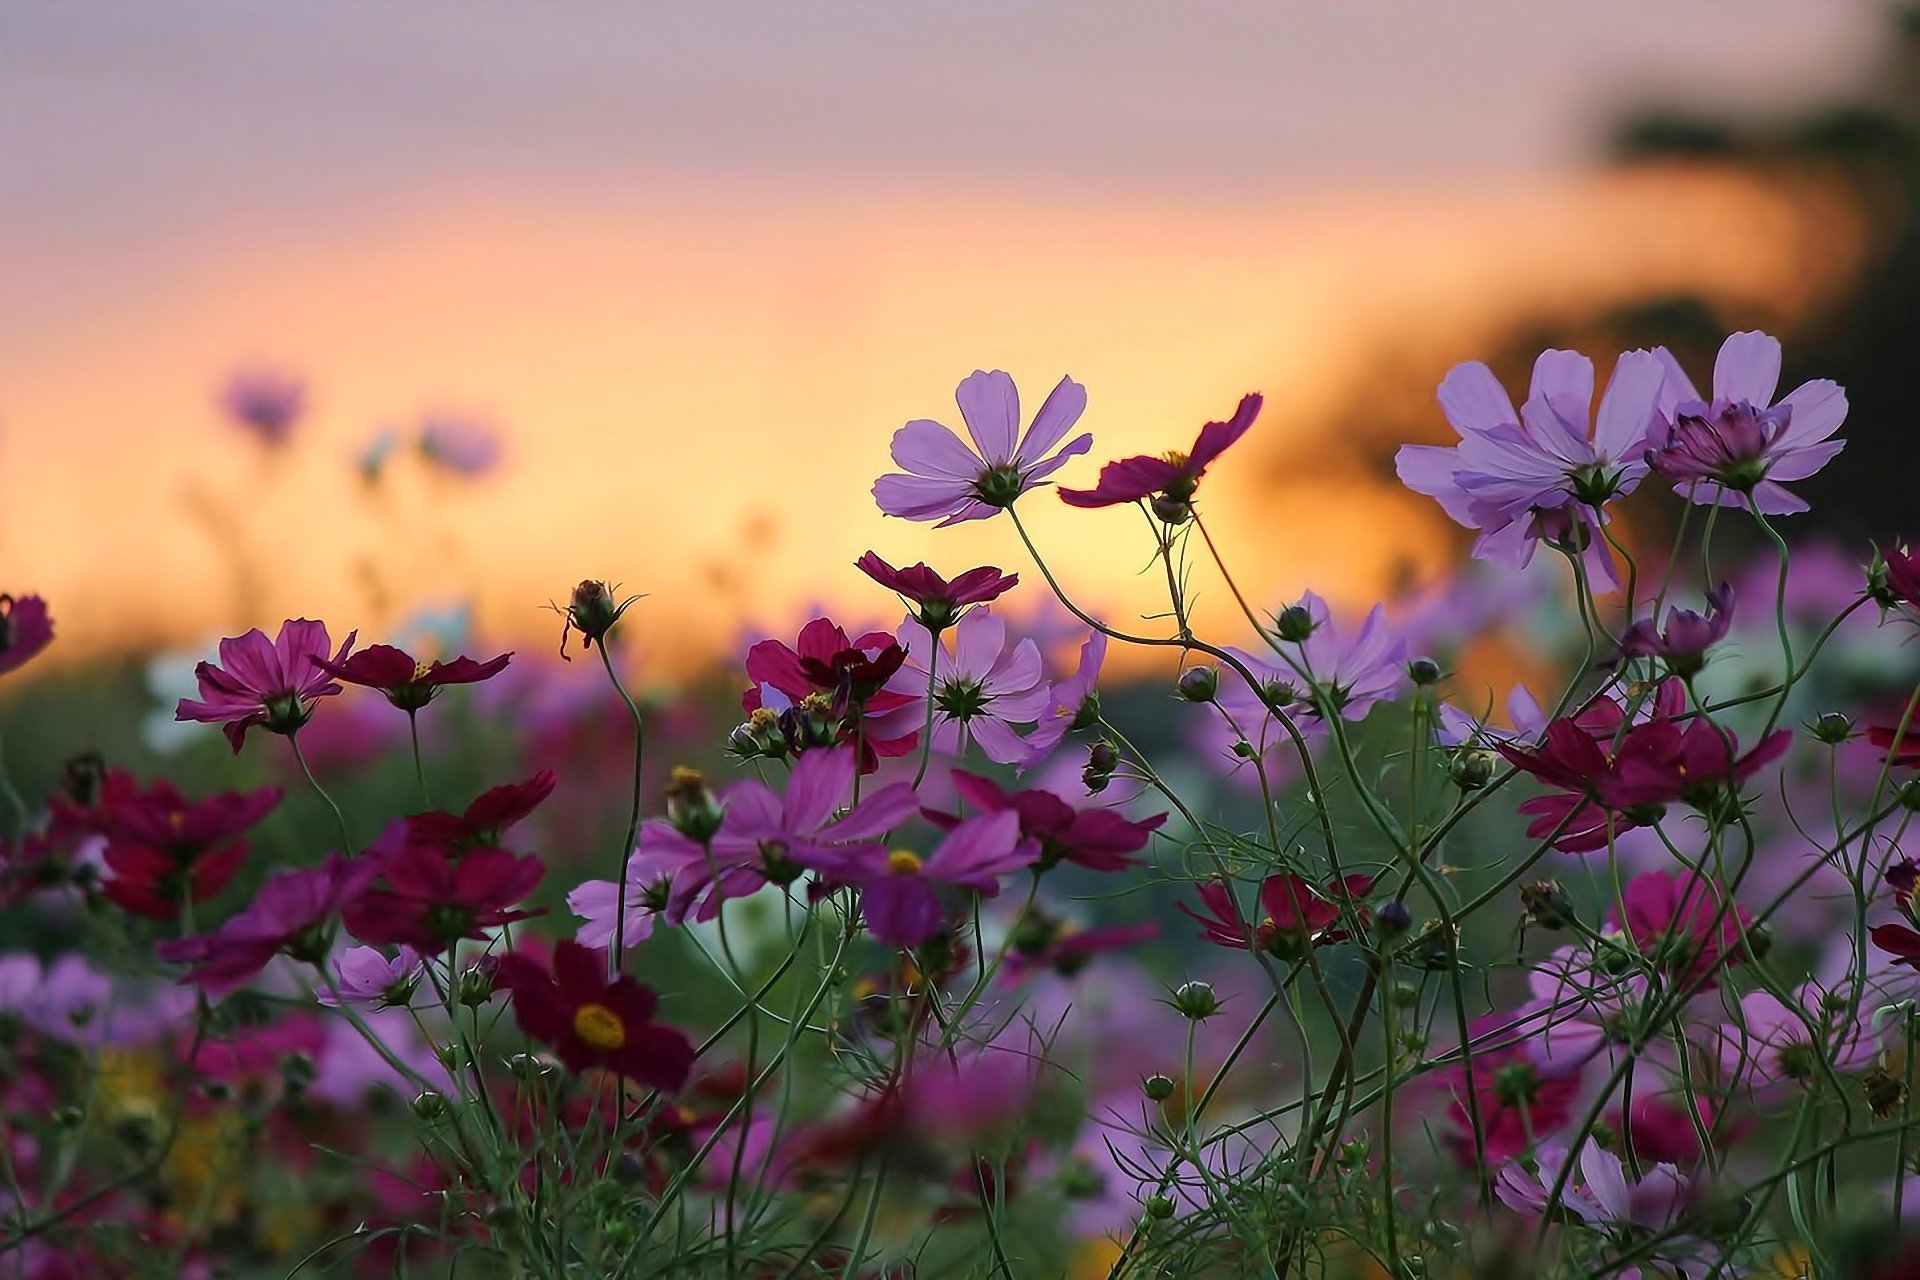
(1545, 472)
(1072, 703)
(368, 976)
(68, 999)
(459, 446)
(1579, 1011)
(266, 402)
(265, 682)
(981, 688)
(650, 874)
(898, 894)
(1736, 449)
(1351, 672)
(945, 480)
(1683, 643)
(1458, 729)
(1773, 1044)
(1601, 1193)
(767, 837)
(294, 912)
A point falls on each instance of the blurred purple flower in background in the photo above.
(267, 402)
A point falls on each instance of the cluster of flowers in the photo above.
(1646, 1095)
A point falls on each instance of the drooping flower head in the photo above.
(1682, 645)
(293, 913)
(1738, 448)
(899, 894)
(266, 402)
(592, 1022)
(25, 629)
(271, 683)
(1171, 479)
(945, 480)
(407, 683)
(981, 687)
(1547, 472)
(937, 603)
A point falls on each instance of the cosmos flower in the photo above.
(1518, 1104)
(592, 1022)
(25, 629)
(841, 679)
(1547, 472)
(945, 480)
(1682, 645)
(899, 896)
(409, 684)
(368, 976)
(1294, 915)
(293, 913)
(1351, 672)
(1072, 703)
(265, 402)
(1601, 1194)
(1171, 479)
(484, 822)
(429, 901)
(1688, 928)
(272, 683)
(981, 688)
(163, 849)
(459, 446)
(936, 601)
(1096, 838)
(1774, 1042)
(1736, 449)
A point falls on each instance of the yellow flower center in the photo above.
(1177, 457)
(420, 670)
(599, 1026)
(901, 862)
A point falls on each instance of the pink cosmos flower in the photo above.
(1546, 472)
(1688, 927)
(429, 901)
(981, 688)
(266, 402)
(1774, 1043)
(1456, 728)
(937, 602)
(1072, 704)
(409, 684)
(847, 678)
(898, 893)
(1171, 479)
(459, 446)
(766, 837)
(1579, 1010)
(1351, 672)
(1517, 1103)
(944, 480)
(1095, 838)
(1601, 1192)
(25, 629)
(1736, 449)
(293, 913)
(368, 976)
(272, 683)
(1684, 642)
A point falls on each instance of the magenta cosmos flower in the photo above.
(1072, 704)
(1293, 914)
(1095, 838)
(409, 684)
(592, 1022)
(945, 480)
(293, 912)
(981, 688)
(271, 683)
(1545, 472)
(429, 901)
(1171, 479)
(847, 679)
(25, 629)
(265, 402)
(899, 895)
(1736, 449)
(1688, 927)
(1682, 645)
(937, 602)
(163, 850)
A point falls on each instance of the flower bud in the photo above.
(1909, 794)
(476, 987)
(1832, 728)
(1471, 768)
(1434, 949)
(1294, 624)
(691, 807)
(591, 610)
(1198, 684)
(1171, 510)
(528, 1066)
(451, 1056)
(1196, 1001)
(1759, 941)
(1158, 1208)
(1157, 1087)
(1404, 995)
(1423, 671)
(430, 1107)
(1886, 1092)
(1546, 904)
(1392, 920)
(1102, 760)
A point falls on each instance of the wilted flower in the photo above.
(1736, 449)
(407, 683)
(1170, 479)
(25, 629)
(271, 683)
(948, 482)
(592, 1022)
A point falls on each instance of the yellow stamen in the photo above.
(903, 863)
(420, 670)
(599, 1026)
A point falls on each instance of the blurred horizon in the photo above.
(696, 266)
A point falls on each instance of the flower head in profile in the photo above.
(368, 976)
(1072, 704)
(1172, 478)
(1294, 916)
(936, 602)
(1096, 838)
(942, 479)
(270, 683)
(1894, 577)
(1683, 643)
(827, 690)
(1688, 927)
(1774, 1042)
(25, 629)
(484, 822)
(1738, 448)
(899, 890)
(591, 1022)
(293, 913)
(1546, 472)
(407, 683)
(429, 901)
(266, 402)
(980, 686)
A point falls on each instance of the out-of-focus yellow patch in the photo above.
(1793, 1262)
(201, 1167)
(1093, 1259)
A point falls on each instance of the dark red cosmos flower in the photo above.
(1295, 915)
(1516, 1101)
(1170, 480)
(1902, 749)
(1699, 764)
(293, 912)
(1898, 941)
(591, 1022)
(428, 900)
(1689, 927)
(937, 601)
(409, 684)
(485, 821)
(1682, 645)
(1097, 839)
(1898, 574)
(163, 849)
(25, 629)
(848, 676)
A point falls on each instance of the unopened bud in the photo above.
(1294, 624)
(1423, 671)
(430, 1107)
(1471, 769)
(1196, 1001)
(1158, 1208)
(1833, 728)
(591, 610)
(1392, 920)
(691, 807)
(1171, 510)
(1546, 904)
(1157, 1087)
(1198, 684)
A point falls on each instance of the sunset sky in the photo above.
(698, 262)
